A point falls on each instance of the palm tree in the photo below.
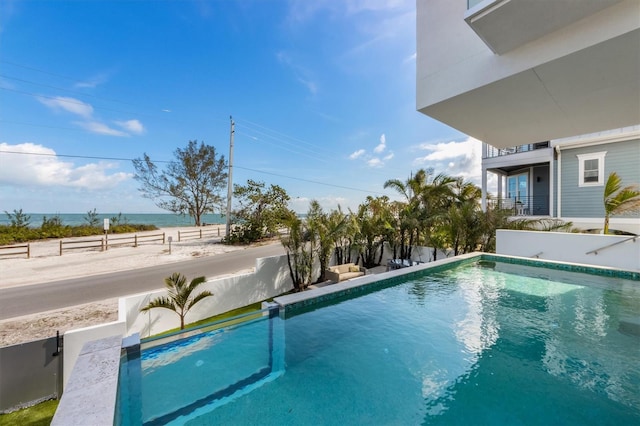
(297, 243)
(180, 298)
(618, 199)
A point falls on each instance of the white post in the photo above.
(230, 182)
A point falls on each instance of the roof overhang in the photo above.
(508, 24)
(593, 89)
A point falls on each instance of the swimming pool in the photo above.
(482, 342)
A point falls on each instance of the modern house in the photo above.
(552, 88)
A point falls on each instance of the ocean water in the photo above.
(161, 220)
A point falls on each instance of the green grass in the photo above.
(38, 415)
(244, 310)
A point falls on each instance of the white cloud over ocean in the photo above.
(33, 165)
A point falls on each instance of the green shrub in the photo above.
(54, 228)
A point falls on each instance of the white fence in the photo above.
(572, 247)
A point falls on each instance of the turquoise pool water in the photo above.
(486, 343)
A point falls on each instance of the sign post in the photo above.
(105, 225)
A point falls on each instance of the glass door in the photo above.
(518, 191)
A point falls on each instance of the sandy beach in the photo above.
(46, 265)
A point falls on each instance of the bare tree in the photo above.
(190, 184)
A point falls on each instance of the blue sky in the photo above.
(322, 93)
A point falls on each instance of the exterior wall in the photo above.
(540, 182)
(587, 202)
(570, 247)
(551, 87)
(30, 373)
(270, 279)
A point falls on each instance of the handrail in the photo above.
(613, 244)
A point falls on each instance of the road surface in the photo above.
(30, 299)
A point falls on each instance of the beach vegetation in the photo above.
(190, 184)
(618, 199)
(262, 212)
(92, 218)
(18, 219)
(181, 296)
(53, 227)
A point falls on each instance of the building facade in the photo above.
(541, 83)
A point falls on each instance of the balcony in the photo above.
(493, 152)
(505, 25)
(522, 206)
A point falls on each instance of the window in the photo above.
(591, 169)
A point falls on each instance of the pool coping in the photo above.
(306, 299)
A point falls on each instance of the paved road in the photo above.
(24, 300)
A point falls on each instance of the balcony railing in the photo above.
(491, 152)
(522, 206)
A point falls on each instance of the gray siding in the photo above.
(622, 158)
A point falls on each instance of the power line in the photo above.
(35, 95)
(39, 70)
(165, 161)
(88, 157)
(308, 180)
(42, 125)
(63, 89)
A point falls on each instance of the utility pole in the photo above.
(230, 183)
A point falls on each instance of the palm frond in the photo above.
(198, 298)
(160, 302)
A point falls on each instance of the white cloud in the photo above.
(382, 145)
(85, 111)
(359, 153)
(131, 126)
(92, 82)
(72, 105)
(411, 58)
(388, 157)
(462, 158)
(375, 162)
(100, 128)
(47, 170)
(302, 75)
(302, 10)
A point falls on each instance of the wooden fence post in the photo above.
(135, 240)
(28, 251)
(178, 236)
(200, 233)
(60, 247)
(163, 237)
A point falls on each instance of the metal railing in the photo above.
(522, 206)
(492, 152)
(612, 244)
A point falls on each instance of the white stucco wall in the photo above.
(271, 278)
(570, 247)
